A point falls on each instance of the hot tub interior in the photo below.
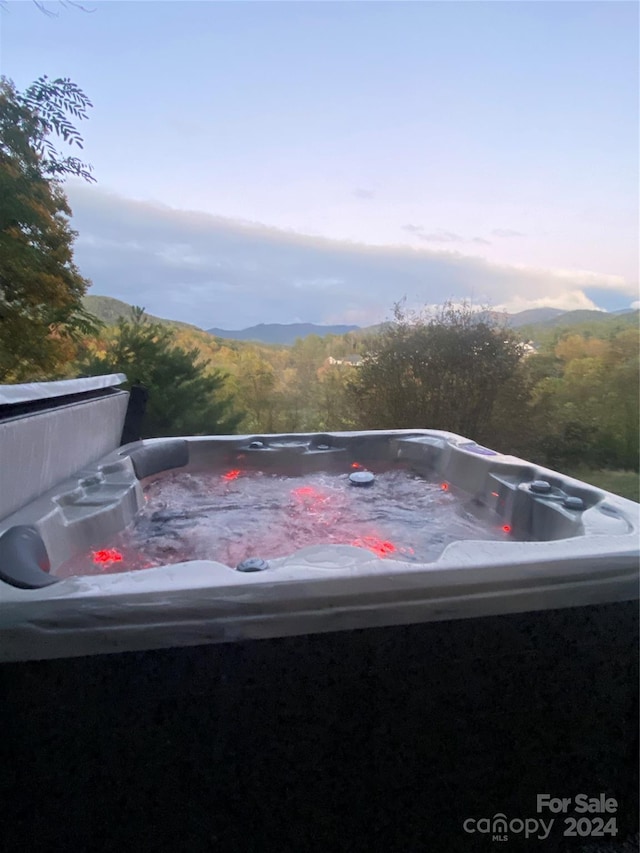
(238, 514)
(402, 496)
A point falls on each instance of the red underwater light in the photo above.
(305, 492)
(380, 547)
(309, 498)
(506, 528)
(231, 475)
(107, 555)
(444, 487)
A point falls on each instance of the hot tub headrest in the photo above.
(160, 456)
(24, 561)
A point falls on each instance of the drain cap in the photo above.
(252, 564)
(361, 478)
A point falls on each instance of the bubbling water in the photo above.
(233, 515)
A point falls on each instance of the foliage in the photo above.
(44, 109)
(624, 483)
(586, 324)
(588, 407)
(41, 313)
(442, 372)
(573, 402)
(289, 389)
(185, 396)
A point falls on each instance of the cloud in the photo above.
(441, 237)
(365, 194)
(507, 232)
(213, 271)
(569, 300)
(635, 305)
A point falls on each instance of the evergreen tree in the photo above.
(186, 397)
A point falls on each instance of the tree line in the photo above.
(573, 402)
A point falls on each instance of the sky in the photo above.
(319, 161)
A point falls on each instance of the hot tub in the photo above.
(400, 665)
(447, 529)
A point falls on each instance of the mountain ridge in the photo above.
(110, 310)
(281, 333)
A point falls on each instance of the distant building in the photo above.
(351, 360)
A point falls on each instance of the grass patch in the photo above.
(624, 483)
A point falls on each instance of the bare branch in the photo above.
(48, 12)
(76, 6)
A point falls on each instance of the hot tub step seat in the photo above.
(82, 502)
